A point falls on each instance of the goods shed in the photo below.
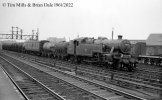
(154, 44)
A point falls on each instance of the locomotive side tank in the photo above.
(85, 47)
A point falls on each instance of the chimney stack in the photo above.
(120, 37)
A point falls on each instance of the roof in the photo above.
(55, 39)
(136, 41)
(154, 40)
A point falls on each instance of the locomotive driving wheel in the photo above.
(117, 64)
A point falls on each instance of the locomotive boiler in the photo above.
(85, 49)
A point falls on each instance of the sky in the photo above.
(134, 19)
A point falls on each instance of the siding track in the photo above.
(71, 87)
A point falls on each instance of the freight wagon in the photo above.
(34, 46)
(0, 45)
(151, 51)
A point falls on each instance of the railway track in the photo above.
(150, 68)
(120, 80)
(145, 75)
(138, 76)
(84, 89)
(29, 87)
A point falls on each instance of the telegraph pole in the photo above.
(33, 34)
(17, 32)
(112, 33)
(12, 32)
(21, 33)
(37, 34)
(77, 35)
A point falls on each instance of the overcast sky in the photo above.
(134, 19)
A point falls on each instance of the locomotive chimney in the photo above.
(120, 37)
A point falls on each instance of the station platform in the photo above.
(7, 89)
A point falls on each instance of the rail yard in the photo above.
(83, 50)
(83, 69)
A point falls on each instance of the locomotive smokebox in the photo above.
(120, 37)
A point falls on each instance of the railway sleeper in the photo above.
(123, 83)
(100, 77)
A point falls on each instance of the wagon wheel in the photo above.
(72, 59)
(130, 68)
(116, 64)
(120, 65)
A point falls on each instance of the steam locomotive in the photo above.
(115, 53)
